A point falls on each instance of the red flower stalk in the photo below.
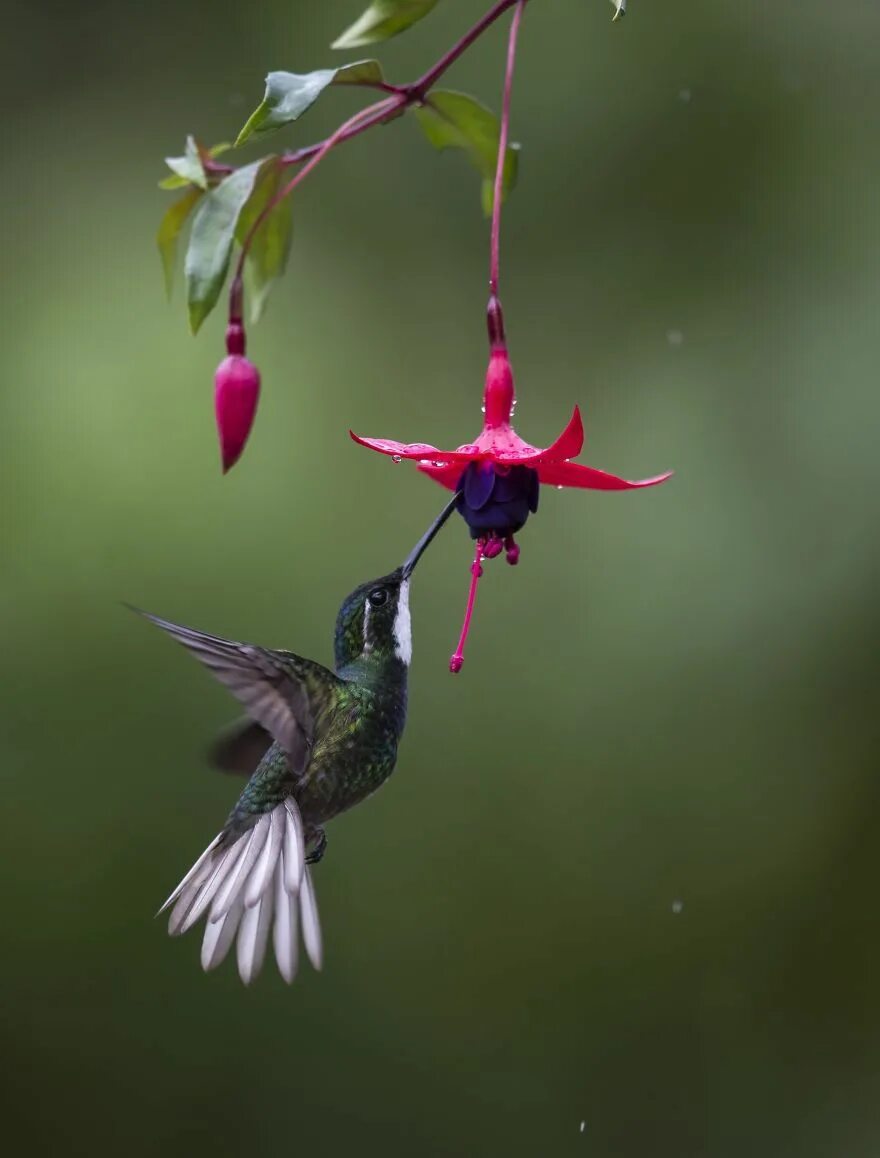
(498, 477)
(236, 393)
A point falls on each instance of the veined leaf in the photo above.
(169, 230)
(210, 243)
(382, 20)
(288, 94)
(270, 248)
(619, 9)
(453, 120)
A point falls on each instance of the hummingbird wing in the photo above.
(280, 690)
(240, 747)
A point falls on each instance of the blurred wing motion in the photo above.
(240, 747)
(249, 886)
(278, 689)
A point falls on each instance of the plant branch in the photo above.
(367, 116)
(401, 98)
(416, 92)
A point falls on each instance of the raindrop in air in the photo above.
(395, 458)
(677, 906)
(684, 95)
(674, 337)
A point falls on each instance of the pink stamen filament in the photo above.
(455, 663)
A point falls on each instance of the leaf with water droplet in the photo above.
(288, 94)
(382, 20)
(454, 120)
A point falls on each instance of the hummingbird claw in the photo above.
(320, 846)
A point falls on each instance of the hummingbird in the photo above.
(314, 743)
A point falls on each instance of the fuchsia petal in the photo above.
(446, 476)
(568, 445)
(573, 474)
(400, 449)
(412, 450)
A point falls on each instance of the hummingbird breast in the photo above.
(354, 753)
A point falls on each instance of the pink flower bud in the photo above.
(236, 393)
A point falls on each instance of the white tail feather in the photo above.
(264, 867)
(294, 848)
(311, 926)
(284, 934)
(256, 838)
(258, 884)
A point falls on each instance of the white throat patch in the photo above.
(368, 647)
(403, 626)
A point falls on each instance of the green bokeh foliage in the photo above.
(671, 699)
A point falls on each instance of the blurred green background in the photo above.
(620, 897)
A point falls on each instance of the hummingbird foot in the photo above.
(320, 847)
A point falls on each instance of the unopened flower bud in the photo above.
(236, 393)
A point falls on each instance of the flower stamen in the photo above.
(455, 663)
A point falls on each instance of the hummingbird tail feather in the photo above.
(253, 885)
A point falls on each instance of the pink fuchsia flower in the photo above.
(498, 477)
(236, 394)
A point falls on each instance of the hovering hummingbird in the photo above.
(315, 743)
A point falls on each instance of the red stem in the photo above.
(495, 243)
(410, 94)
(368, 116)
(402, 98)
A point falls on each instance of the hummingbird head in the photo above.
(374, 620)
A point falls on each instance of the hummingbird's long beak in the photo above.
(416, 553)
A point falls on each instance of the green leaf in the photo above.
(210, 243)
(188, 169)
(453, 120)
(619, 9)
(382, 20)
(270, 248)
(288, 95)
(169, 230)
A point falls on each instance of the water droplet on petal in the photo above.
(560, 487)
(677, 906)
(395, 458)
(482, 409)
(674, 337)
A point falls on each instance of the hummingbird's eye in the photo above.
(378, 596)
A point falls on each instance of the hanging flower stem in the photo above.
(504, 135)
